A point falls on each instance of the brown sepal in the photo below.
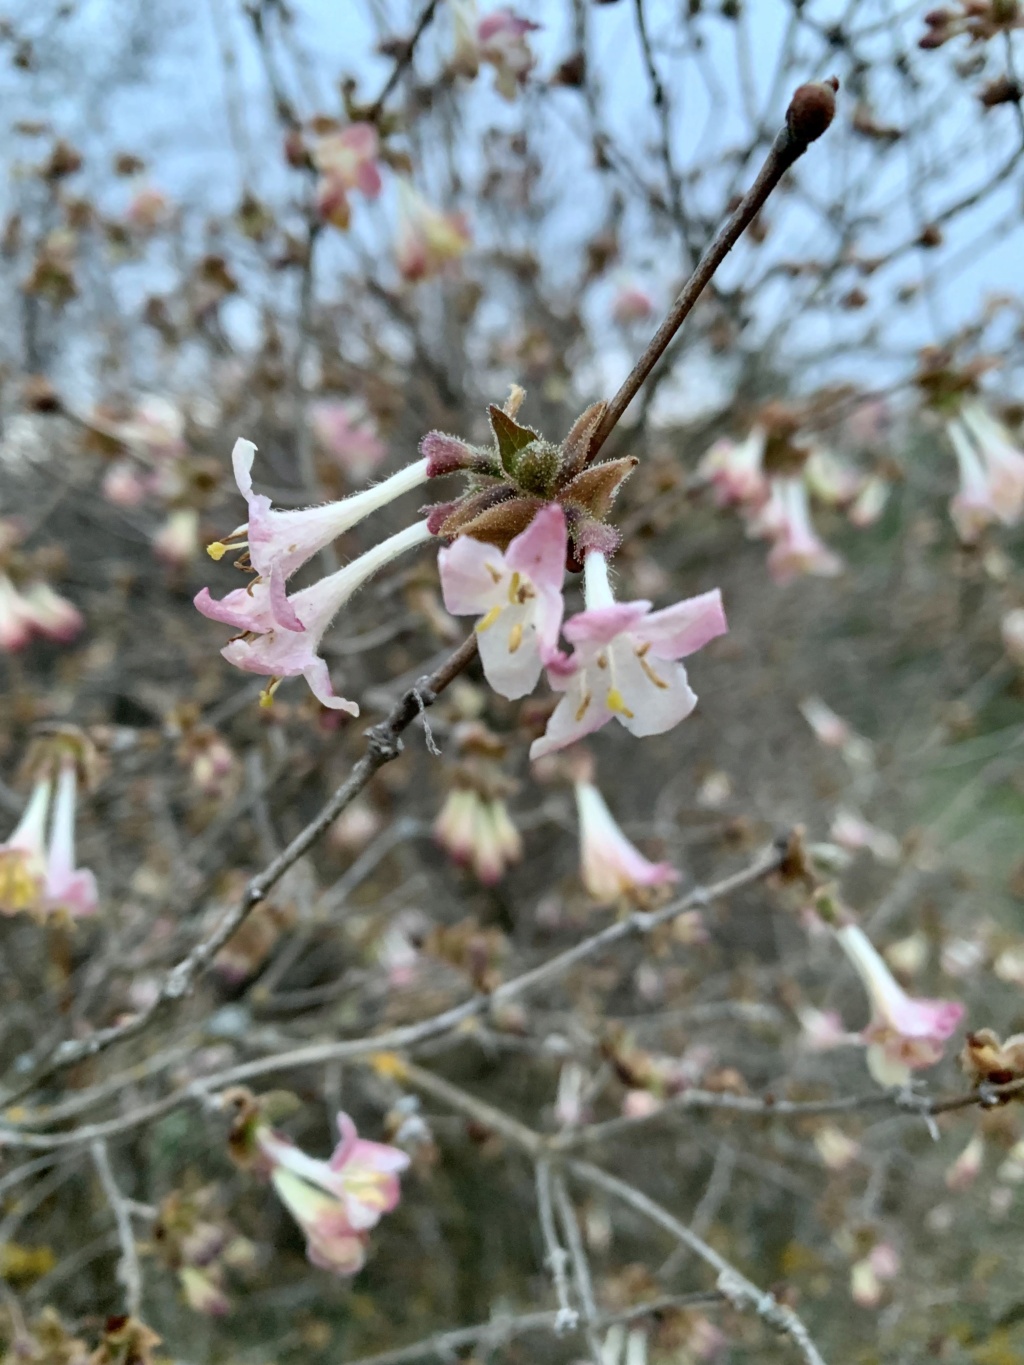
(501, 524)
(596, 488)
(576, 446)
(464, 510)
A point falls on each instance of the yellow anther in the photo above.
(658, 682)
(216, 549)
(515, 638)
(487, 621)
(267, 695)
(513, 589)
(616, 702)
(582, 708)
(495, 573)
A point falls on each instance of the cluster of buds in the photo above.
(151, 464)
(37, 862)
(987, 1061)
(769, 478)
(474, 827)
(336, 1202)
(979, 20)
(498, 38)
(346, 160)
(991, 468)
(29, 605)
(199, 1248)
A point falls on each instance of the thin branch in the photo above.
(383, 746)
(403, 61)
(580, 1265)
(129, 1271)
(789, 145)
(556, 1258)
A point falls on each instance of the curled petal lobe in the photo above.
(680, 630)
(611, 866)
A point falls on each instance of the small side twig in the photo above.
(580, 1265)
(556, 1258)
(129, 1270)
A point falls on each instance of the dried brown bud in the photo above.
(931, 236)
(812, 109)
(1002, 90)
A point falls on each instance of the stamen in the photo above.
(515, 637)
(487, 621)
(525, 593)
(495, 573)
(616, 702)
(513, 588)
(582, 709)
(602, 661)
(267, 695)
(649, 671)
(216, 549)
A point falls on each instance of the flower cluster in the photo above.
(979, 20)
(770, 480)
(346, 160)
(498, 38)
(37, 872)
(29, 605)
(991, 473)
(474, 826)
(337, 1202)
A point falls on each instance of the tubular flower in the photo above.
(610, 866)
(279, 543)
(624, 662)
(478, 831)
(518, 596)
(50, 614)
(42, 878)
(1012, 630)
(903, 1034)
(991, 473)
(335, 1202)
(15, 630)
(735, 470)
(427, 238)
(796, 547)
(288, 652)
(346, 160)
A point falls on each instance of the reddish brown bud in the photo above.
(812, 109)
(595, 489)
(1001, 90)
(497, 525)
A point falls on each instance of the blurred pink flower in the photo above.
(124, 485)
(991, 473)
(610, 866)
(265, 647)
(831, 479)
(346, 160)
(15, 629)
(796, 548)
(734, 469)
(478, 832)
(517, 595)
(280, 542)
(149, 209)
(822, 1030)
(632, 304)
(903, 1033)
(335, 1202)
(347, 434)
(962, 1174)
(155, 429)
(40, 876)
(501, 39)
(427, 239)
(852, 832)
(869, 1275)
(624, 662)
(177, 540)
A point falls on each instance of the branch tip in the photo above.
(811, 110)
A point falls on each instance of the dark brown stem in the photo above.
(809, 114)
(403, 61)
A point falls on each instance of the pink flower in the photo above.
(154, 430)
(49, 614)
(1012, 629)
(149, 208)
(40, 877)
(177, 540)
(284, 652)
(346, 160)
(868, 1276)
(632, 304)
(427, 238)
(335, 1202)
(347, 434)
(903, 1034)
(735, 471)
(830, 729)
(517, 595)
(279, 543)
(501, 37)
(991, 473)
(823, 1030)
(611, 868)
(852, 832)
(623, 664)
(786, 521)
(15, 628)
(124, 485)
(962, 1174)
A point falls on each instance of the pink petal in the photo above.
(242, 608)
(539, 551)
(682, 629)
(466, 585)
(600, 625)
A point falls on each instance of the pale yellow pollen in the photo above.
(582, 708)
(487, 621)
(602, 661)
(495, 573)
(267, 695)
(513, 589)
(216, 549)
(515, 637)
(616, 702)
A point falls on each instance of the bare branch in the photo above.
(129, 1271)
